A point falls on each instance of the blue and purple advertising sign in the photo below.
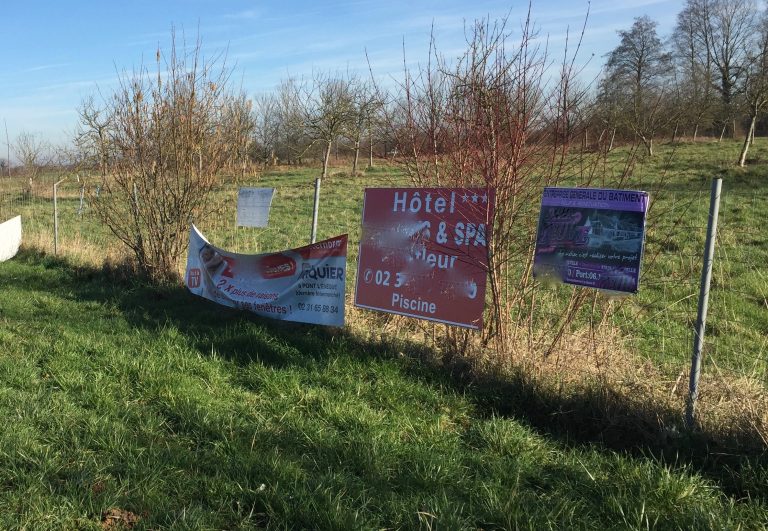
(591, 237)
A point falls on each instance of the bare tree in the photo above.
(694, 67)
(420, 131)
(492, 119)
(608, 109)
(366, 101)
(638, 70)
(92, 137)
(377, 128)
(292, 141)
(239, 126)
(266, 116)
(33, 154)
(160, 139)
(723, 29)
(65, 157)
(755, 86)
(328, 110)
(7, 148)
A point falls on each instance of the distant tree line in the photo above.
(503, 114)
(709, 77)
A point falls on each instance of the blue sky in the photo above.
(54, 53)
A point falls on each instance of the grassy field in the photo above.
(119, 396)
(666, 306)
(657, 324)
(133, 398)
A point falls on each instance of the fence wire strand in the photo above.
(656, 324)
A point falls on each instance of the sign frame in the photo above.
(423, 253)
(592, 237)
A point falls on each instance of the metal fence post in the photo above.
(82, 201)
(701, 319)
(316, 208)
(56, 218)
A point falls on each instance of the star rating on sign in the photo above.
(465, 198)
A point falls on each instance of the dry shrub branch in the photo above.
(501, 118)
(160, 141)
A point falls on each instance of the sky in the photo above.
(55, 53)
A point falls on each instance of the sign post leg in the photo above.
(314, 211)
(701, 320)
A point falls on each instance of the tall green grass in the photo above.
(188, 415)
(660, 319)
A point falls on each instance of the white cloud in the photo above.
(45, 67)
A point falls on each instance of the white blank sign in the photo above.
(10, 238)
(253, 206)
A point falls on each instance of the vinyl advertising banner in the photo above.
(305, 285)
(591, 237)
(424, 253)
(10, 238)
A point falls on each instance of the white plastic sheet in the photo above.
(10, 238)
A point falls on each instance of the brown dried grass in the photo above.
(80, 251)
(630, 389)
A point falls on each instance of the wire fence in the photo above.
(656, 326)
